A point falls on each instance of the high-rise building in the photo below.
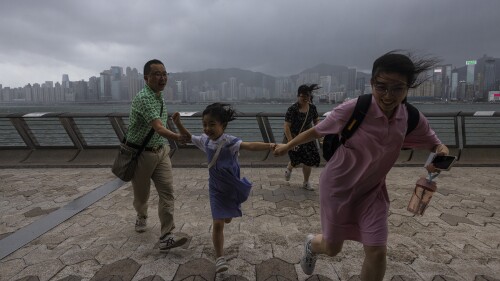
(454, 86)
(135, 83)
(325, 82)
(65, 81)
(93, 89)
(437, 80)
(489, 77)
(351, 82)
(233, 89)
(360, 85)
(446, 82)
(105, 85)
(470, 79)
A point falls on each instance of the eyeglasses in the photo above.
(160, 74)
(382, 89)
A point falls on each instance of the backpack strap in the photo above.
(413, 117)
(359, 113)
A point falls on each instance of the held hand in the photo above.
(442, 149)
(280, 149)
(176, 117)
(183, 139)
(431, 169)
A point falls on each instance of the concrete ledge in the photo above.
(51, 156)
(192, 157)
(99, 157)
(13, 156)
(480, 156)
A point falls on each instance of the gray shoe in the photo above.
(308, 261)
(170, 241)
(221, 264)
(141, 223)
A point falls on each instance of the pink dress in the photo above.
(353, 195)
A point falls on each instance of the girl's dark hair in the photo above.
(409, 65)
(307, 89)
(222, 112)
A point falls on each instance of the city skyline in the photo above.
(43, 40)
(62, 76)
(477, 81)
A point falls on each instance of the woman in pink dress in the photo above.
(354, 201)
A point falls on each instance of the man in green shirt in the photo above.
(147, 111)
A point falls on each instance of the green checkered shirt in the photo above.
(146, 107)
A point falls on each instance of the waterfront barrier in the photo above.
(91, 139)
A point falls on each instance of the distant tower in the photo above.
(351, 82)
(437, 79)
(489, 77)
(471, 65)
(105, 85)
(233, 89)
(454, 86)
(470, 91)
(65, 81)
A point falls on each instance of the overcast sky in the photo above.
(41, 40)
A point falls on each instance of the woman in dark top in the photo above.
(299, 117)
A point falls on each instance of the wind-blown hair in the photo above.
(413, 67)
(307, 89)
(222, 112)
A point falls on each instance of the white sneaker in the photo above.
(221, 264)
(288, 174)
(141, 223)
(307, 185)
(308, 261)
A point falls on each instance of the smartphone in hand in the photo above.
(441, 162)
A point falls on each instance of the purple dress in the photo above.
(227, 191)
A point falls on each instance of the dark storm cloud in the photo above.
(40, 40)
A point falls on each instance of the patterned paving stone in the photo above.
(71, 278)
(29, 278)
(318, 278)
(485, 278)
(275, 269)
(123, 269)
(35, 212)
(419, 247)
(455, 220)
(152, 278)
(443, 278)
(198, 268)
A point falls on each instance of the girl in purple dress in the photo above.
(226, 189)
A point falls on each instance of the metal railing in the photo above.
(84, 131)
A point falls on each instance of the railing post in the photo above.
(73, 132)
(118, 126)
(25, 132)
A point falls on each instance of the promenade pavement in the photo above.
(456, 239)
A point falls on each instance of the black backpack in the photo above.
(333, 141)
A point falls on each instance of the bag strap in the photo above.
(305, 120)
(359, 113)
(148, 136)
(217, 152)
(413, 117)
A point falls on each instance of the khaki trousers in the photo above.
(155, 166)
